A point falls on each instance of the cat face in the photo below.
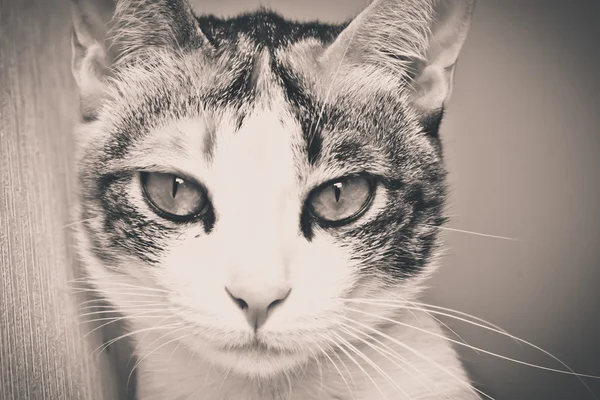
(259, 175)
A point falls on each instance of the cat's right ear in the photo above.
(416, 40)
(91, 58)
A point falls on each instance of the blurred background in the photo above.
(522, 136)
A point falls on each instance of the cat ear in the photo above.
(111, 32)
(418, 40)
(90, 61)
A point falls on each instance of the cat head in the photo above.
(259, 178)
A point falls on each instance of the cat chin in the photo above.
(261, 366)
(255, 364)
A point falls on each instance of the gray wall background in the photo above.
(522, 136)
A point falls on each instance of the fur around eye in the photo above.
(343, 200)
(173, 197)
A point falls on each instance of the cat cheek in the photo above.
(192, 272)
(320, 275)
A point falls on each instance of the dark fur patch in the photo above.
(309, 113)
(124, 227)
(266, 29)
(431, 127)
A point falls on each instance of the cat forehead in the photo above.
(277, 81)
(231, 73)
(244, 69)
(192, 121)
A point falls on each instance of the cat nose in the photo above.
(257, 304)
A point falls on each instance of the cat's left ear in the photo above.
(418, 40)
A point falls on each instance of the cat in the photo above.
(261, 198)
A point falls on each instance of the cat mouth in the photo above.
(257, 347)
(259, 359)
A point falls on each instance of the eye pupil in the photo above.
(176, 182)
(337, 190)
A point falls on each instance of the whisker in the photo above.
(113, 320)
(410, 310)
(445, 325)
(91, 278)
(337, 369)
(442, 323)
(144, 288)
(570, 372)
(383, 353)
(96, 303)
(464, 314)
(120, 311)
(420, 355)
(318, 364)
(391, 353)
(175, 349)
(71, 224)
(128, 334)
(445, 228)
(403, 302)
(371, 363)
(110, 292)
(289, 381)
(105, 303)
(144, 337)
(117, 285)
(156, 349)
(224, 379)
(94, 278)
(338, 345)
(521, 341)
(345, 367)
(108, 307)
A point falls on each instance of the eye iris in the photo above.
(172, 195)
(342, 200)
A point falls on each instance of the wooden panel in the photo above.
(42, 354)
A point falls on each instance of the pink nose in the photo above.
(257, 304)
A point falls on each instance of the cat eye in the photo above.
(173, 197)
(343, 200)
